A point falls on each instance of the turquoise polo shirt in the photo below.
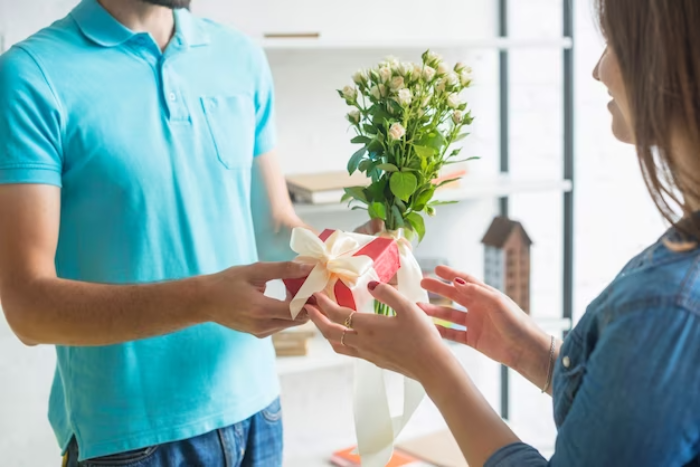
(153, 153)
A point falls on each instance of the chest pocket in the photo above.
(569, 371)
(231, 122)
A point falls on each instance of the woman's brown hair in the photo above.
(657, 44)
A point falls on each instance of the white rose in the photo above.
(396, 132)
(433, 57)
(440, 85)
(452, 79)
(378, 91)
(442, 68)
(458, 117)
(391, 62)
(405, 97)
(429, 73)
(397, 83)
(385, 73)
(459, 67)
(360, 77)
(426, 101)
(354, 116)
(454, 101)
(466, 77)
(350, 93)
(417, 70)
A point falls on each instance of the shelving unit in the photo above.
(501, 188)
(499, 43)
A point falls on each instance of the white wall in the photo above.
(614, 217)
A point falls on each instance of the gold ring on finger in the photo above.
(348, 320)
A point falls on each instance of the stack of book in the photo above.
(329, 187)
(294, 342)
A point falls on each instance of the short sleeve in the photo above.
(265, 130)
(30, 123)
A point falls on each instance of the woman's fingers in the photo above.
(450, 274)
(331, 309)
(453, 335)
(390, 296)
(444, 313)
(334, 332)
(439, 287)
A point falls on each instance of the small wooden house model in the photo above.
(507, 260)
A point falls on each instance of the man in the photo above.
(137, 171)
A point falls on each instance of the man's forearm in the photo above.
(62, 312)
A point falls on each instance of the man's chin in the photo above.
(174, 4)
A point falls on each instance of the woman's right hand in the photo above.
(496, 326)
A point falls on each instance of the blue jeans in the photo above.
(256, 442)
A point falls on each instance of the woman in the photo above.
(626, 381)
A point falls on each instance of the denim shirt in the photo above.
(626, 388)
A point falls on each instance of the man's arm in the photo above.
(44, 309)
(273, 213)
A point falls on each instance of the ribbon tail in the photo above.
(316, 282)
(410, 276)
(373, 423)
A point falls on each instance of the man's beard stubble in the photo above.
(174, 4)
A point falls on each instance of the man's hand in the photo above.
(372, 227)
(238, 301)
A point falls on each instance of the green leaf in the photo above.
(403, 185)
(376, 190)
(462, 160)
(356, 208)
(375, 146)
(377, 210)
(357, 192)
(455, 152)
(445, 182)
(401, 205)
(388, 167)
(442, 203)
(434, 140)
(354, 161)
(380, 116)
(424, 151)
(418, 224)
(346, 197)
(423, 199)
(398, 218)
(360, 140)
(461, 137)
(364, 165)
(371, 129)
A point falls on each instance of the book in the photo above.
(323, 188)
(439, 449)
(348, 458)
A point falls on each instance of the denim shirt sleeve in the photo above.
(638, 401)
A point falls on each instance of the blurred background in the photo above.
(609, 194)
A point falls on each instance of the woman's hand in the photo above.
(407, 343)
(496, 326)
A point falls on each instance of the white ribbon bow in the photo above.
(334, 261)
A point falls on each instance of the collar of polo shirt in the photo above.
(103, 29)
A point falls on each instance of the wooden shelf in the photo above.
(322, 357)
(496, 43)
(471, 189)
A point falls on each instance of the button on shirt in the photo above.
(153, 153)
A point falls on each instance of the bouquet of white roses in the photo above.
(407, 117)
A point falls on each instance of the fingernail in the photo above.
(460, 281)
(312, 301)
(372, 285)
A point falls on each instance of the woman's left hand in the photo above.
(407, 343)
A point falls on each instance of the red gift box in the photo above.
(383, 251)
